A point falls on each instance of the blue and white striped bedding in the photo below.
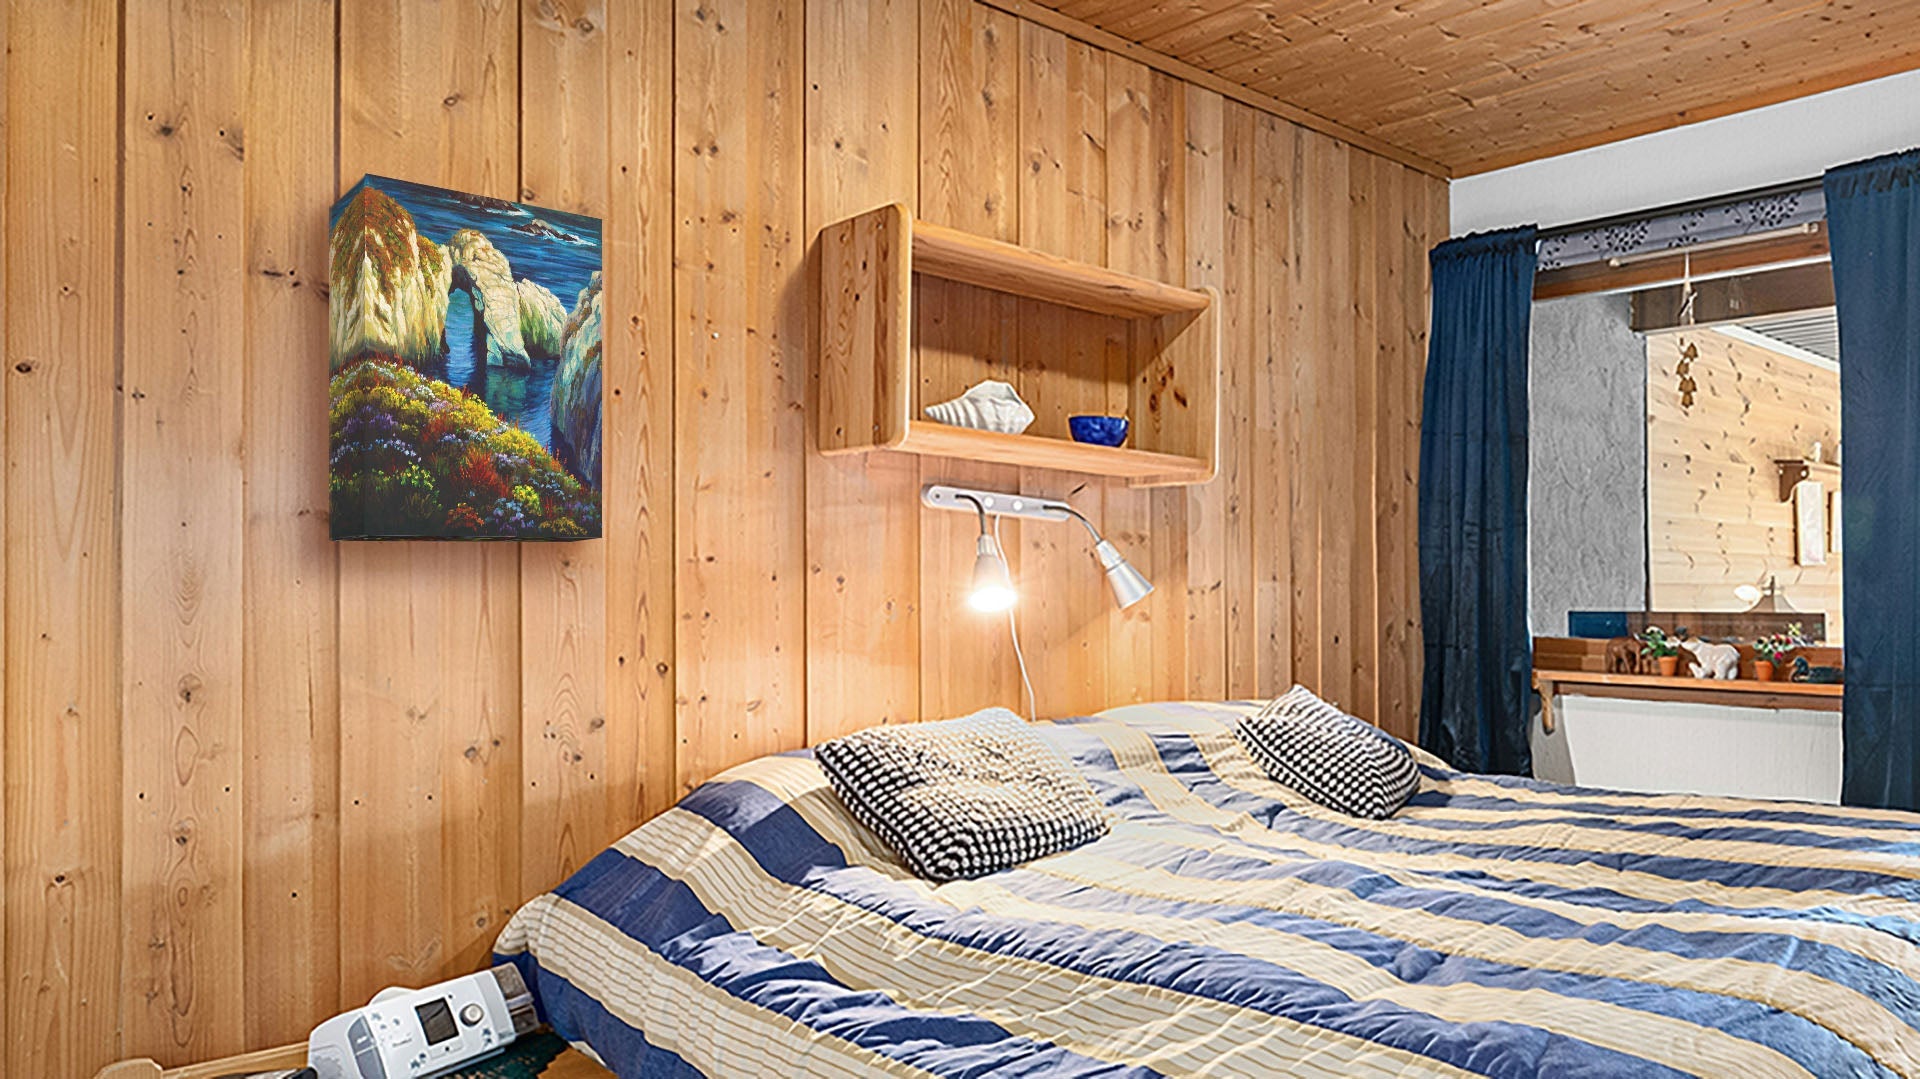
(1228, 927)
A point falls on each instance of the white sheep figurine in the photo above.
(1721, 661)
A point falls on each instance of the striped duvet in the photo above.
(1227, 927)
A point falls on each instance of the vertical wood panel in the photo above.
(740, 312)
(1364, 358)
(1331, 312)
(1146, 218)
(1427, 226)
(1313, 271)
(1205, 631)
(637, 454)
(969, 150)
(1396, 435)
(185, 422)
(5, 297)
(1064, 361)
(63, 914)
(429, 632)
(1284, 568)
(565, 815)
(292, 678)
(863, 513)
(969, 163)
(1242, 429)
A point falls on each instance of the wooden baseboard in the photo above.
(286, 1056)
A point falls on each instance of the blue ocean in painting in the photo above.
(523, 398)
(562, 258)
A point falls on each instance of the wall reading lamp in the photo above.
(992, 585)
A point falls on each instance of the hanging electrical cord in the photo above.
(1013, 631)
(992, 589)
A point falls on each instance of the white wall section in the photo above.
(1669, 746)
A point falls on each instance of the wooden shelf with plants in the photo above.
(905, 306)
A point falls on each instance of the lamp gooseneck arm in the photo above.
(1078, 516)
(979, 508)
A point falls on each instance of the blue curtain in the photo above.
(1476, 699)
(1873, 222)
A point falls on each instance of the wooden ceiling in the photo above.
(1480, 84)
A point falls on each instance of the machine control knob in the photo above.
(472, 1014)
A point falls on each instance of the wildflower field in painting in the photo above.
(465, 394)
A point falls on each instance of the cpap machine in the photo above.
(422, 1033)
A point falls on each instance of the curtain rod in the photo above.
(1789, 187)
(1806, 229)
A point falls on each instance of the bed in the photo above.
(1226, 926)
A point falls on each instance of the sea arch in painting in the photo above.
(464, 397)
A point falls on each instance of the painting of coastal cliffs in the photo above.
(464, 399)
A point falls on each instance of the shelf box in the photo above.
(1087, 332)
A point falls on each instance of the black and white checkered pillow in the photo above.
(962, 798)
(1344, 763)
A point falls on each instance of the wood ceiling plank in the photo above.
(1382, 33)
(1199, 22)
(1587, 64)
(1119, 16)
(1231, 25)
(1081, 31)
(1502, 157)
(1559, 133)
(1534, 81)
(1475, 84)
(1437, 62)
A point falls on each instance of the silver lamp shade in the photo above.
(1129, 585)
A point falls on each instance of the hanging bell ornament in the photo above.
(1688, 354)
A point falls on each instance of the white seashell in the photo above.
(990, 406)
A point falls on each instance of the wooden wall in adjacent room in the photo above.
(251, 776)
(1715, 520)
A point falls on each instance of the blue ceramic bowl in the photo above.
(1099, 430)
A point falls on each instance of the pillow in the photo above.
(962, 798)
(1341, 762)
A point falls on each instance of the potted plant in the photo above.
(1662, 649)
(1771, 649)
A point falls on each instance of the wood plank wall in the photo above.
(251, 776)
(1715, 520)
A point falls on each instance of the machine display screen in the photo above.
(436, 1020)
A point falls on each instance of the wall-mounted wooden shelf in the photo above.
(1737, 693)
(873, 378)
(1145, 467)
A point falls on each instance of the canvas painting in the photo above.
(465, 361)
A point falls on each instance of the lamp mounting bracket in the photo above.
(995, 503)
